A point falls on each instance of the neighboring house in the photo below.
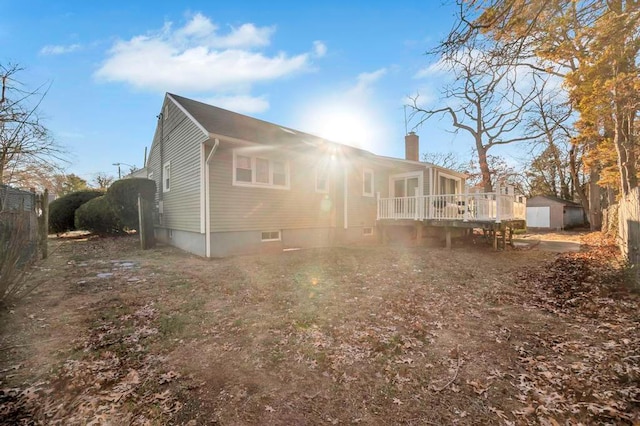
(548, 212)
(140, 173)
(228, 184)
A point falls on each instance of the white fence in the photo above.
(483, 206)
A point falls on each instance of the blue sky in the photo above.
(339, 70)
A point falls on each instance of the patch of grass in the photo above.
(172, 325)
(181, 285)
(305, 320)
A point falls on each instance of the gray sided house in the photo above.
(548, 212)
(231, 184)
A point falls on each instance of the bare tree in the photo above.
(102, 181)
(448, 160)
(24, 141)
(485, 100)
(552, 117)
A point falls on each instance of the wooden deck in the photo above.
(496, 214)
(484, 207)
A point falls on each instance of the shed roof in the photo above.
(557, 200)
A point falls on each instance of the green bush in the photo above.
(98, 216)
(62, 211)
(123, 196)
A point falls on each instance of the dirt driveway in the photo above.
(376, 335)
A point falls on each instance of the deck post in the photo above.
(419, 231)
(498, 202)
(447, 237)
(495, 239)
(466, 204)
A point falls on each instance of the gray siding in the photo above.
(362, 210)
(182, 147)
(238, 208)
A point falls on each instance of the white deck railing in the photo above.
(480, 206)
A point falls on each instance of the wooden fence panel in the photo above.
(629, 229)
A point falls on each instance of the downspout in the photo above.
(161, 189)
(207, 197)
(161, 118)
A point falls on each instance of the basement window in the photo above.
(270, 236)
(367, 232)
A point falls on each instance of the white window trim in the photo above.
(166, 188)
(457, 179)
(399, 176)
(253, 183)
(364, 190)
(265, 240)
(322, 190)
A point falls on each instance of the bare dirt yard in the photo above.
(354, 335)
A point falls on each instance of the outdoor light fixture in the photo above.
(121, 164)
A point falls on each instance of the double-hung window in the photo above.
(260, 171)
(166, 177)
(322, 179)
(367, 182)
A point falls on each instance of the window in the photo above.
(244, 172)
(367, 182)
(322, 179)
(260, 171)
(367, 232)
(279, 173)
(449, 185)
(270, 236)
(166, 177)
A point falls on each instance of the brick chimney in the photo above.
(412, 147)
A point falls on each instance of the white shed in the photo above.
(549, 212)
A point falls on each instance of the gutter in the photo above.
(207, 198)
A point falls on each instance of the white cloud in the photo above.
(435, 69)
(201, 29)
(319, 48)
(240, 103)
(59, 49)
(364, 82)
(196, 57)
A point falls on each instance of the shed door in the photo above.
(538, 217)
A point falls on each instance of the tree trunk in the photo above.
(623, 142)
(595, 204)
(484, 166)
(579, 188)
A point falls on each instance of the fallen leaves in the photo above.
(113, 372)
(593, 371)
(403, 336)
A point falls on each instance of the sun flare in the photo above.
(348, 125)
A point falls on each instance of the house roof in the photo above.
(222, 122)
(558, 200)
(219, 121)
